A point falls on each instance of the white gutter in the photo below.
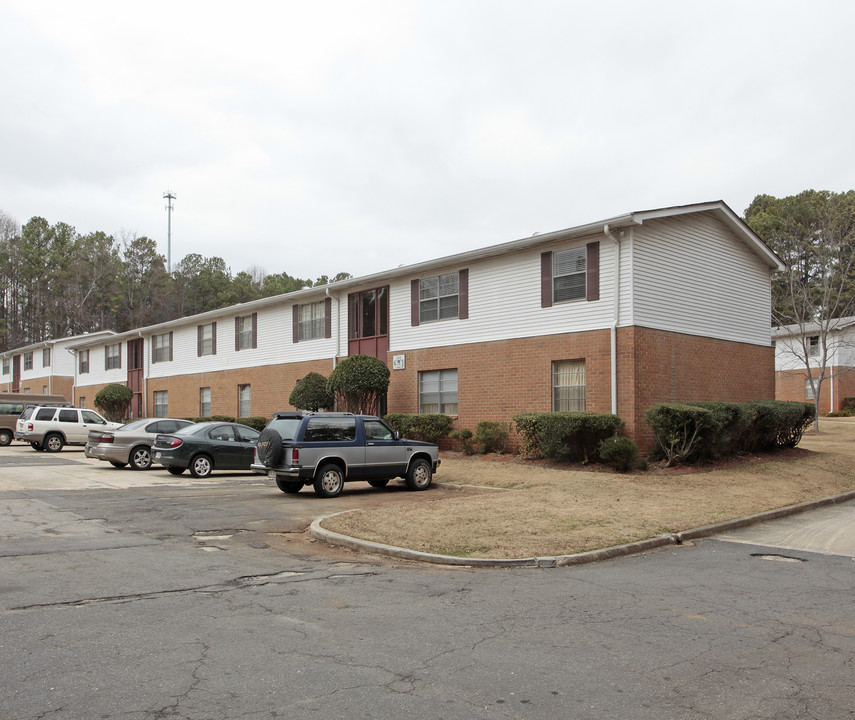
(613, 328)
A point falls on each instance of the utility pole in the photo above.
(169, 197)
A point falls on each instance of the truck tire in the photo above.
(292, 487)
(419, 475)
(329, 481)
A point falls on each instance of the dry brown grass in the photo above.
(539, 509)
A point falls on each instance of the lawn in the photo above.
(533, 508)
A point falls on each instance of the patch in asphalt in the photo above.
(36, 459)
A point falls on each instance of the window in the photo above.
(113, 356)
(438, 392)
(46, 357)
(161, 348)
(813, 346)
(330, 430)
(45, 390)
(205, 402)
(5, 366)
(246, 332)
(568, 386)
(244, 400)
(368, 313)
(810, 389)
(206, 339)
(161, 403)
(571, 274)
(83, 362)
(83, 402)
(438, 297)
(68, 415)
(311, 320)
(28, 360)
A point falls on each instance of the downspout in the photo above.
(74, 384)
(146, 370)
(615, 320)
(337, 328)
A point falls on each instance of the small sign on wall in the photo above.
(399, 362)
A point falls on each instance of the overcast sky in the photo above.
(315, 137)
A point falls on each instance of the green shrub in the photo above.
(619, 452)
(358, 382)
(683, 433)
(114, 400)
(464, 441)
(255, 422)
(492, 437)
(777, 424)
(427, 427)
(311, 393)
(730, 422)
(565, 435)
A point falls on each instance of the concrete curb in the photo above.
(333, 538)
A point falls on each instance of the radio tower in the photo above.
(169, 197)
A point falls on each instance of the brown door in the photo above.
(135, 376)
(16, 373)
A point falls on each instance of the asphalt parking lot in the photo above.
(142, 595)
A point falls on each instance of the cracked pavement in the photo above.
(147, 597)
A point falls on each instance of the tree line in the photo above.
(56, 282)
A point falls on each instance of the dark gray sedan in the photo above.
(131, 443)
(205, 447)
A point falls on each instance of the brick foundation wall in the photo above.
(667, 367)
(790, 385)
(56, 385)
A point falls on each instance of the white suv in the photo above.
(51, 428)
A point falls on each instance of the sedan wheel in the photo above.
(175, 470)
(329, 481)
(140, 457)
(419, 475)
(201, 466)
(117, 464)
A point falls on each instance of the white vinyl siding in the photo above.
(692, 275)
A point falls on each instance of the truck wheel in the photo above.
(419, 475)
(140, 457)
(5, 437)
(201, 466)
(291, 487)
(329, 481)
(53, 442)
(379, 483)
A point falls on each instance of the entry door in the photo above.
(135, 376)
(16, 373)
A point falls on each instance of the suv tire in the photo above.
(329, 481)
(53, 442)
(269, 447)
(419, 475)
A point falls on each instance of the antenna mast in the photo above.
(169, 197)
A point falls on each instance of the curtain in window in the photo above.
(568, 386)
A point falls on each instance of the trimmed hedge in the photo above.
(427, 427)
(565, 435)
(619, 452)
(691, 433)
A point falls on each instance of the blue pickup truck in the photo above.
(326, 450)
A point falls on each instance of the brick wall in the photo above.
(790, 385)
(57, 385)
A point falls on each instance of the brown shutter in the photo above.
(120, 355)
(213, 338)
(105, 356)
(254, 330)
(237, 334)
(592, 264)
(414, 303)
(170, 346)
(327, 317)
(295, 323)
(546, 279)
(198, 341)
(463, 294)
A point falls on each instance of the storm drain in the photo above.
(779, 558)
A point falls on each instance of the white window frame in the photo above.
(161, 403)
(45, 357)
(206, 339)
(83, 362)
(567, 267)
(205, 402)
(439, 297)
(568, 393)
(813, 346)
(439, 392)
(244, 400)
(162, 345)
(113, 356)
(28, 360)
(245, 332)
(810, 389)
(312, 322)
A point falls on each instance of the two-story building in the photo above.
(667, 305)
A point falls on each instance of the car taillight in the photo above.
(102, 438)
(174, 442)
(167, 441)
(295, 456)
(29, 427)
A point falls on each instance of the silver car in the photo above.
(131, 443)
